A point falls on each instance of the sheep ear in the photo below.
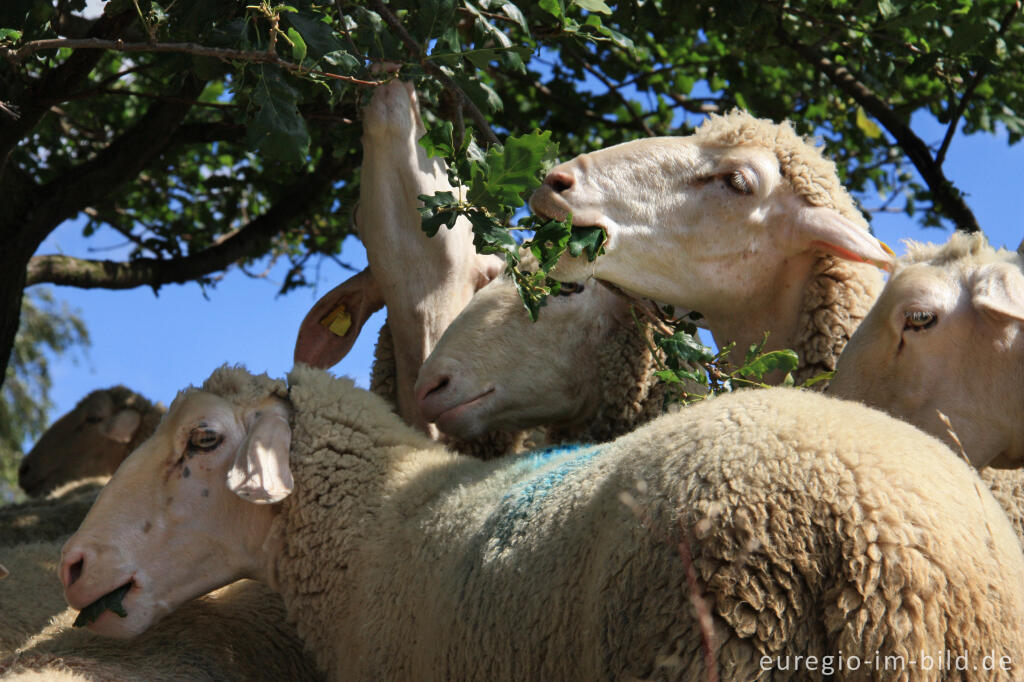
(488, 268)
(121, 426)
(999, 291)
(260, 472)
(827, 230)
(331, 327)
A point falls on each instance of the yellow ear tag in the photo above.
(338, 321)
(886, 247)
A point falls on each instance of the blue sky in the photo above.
(160, 344)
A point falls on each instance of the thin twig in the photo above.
(433, 69)
(612, 88)
(260, 57)
(940, 156)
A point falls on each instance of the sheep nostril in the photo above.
(560, 181)
(439, 386)
(72, 572)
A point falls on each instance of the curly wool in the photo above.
(235, 634)
(964, 252)
(840, 293)
(851, 532)
(631, 395)
(836, 299)
(1007, 486)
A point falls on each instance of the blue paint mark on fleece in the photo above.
(512, 516)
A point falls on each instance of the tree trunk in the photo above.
(13, 261)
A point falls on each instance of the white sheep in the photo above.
(90, 440)
(947, 335)
(236, 633)
(743, 221)
(583, 369)
(813, 526)
(424, 282)
(30, 594)
(55, 516)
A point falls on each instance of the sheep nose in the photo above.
(433, 387)
(431, 396)
(24, 470)
(71, 566)
(560, 181)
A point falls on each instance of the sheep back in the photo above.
(847, 532)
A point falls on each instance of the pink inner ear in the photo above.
(260, 472)
(316, 344)
(825, 229)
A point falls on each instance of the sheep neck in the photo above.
(424, 281)
(349, 457)
(813, 306)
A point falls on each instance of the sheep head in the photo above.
(495, 369)
(695, 221)
(90, 440)
(181, 504)
(947, 335)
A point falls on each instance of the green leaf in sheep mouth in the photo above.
(111, 601)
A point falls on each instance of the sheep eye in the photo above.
(93, 419)
(570, 288)
(737, 182)
(204, 439)
(917, 320)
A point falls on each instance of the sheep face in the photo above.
(90, 440)
(946, 338)
(694, 224)
(180, 531)
(495, 369)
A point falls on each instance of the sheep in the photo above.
(236, 633)
(55, 516)
(30, 595)
(588, 374)
(947, 335)
(90, 440)
(808, 526)
(743, 221)
(423, 281)
(494, 443)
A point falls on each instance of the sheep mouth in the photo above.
(112, 601)
(449, 419)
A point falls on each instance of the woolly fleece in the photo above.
(57, 515)
(31, 594)
(236, 634)
(815, 525)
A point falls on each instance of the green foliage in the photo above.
(179, 150)
(46, 329)
(686, 359)
(499, 183)
(111, 601)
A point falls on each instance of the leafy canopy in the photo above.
(214, 132)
